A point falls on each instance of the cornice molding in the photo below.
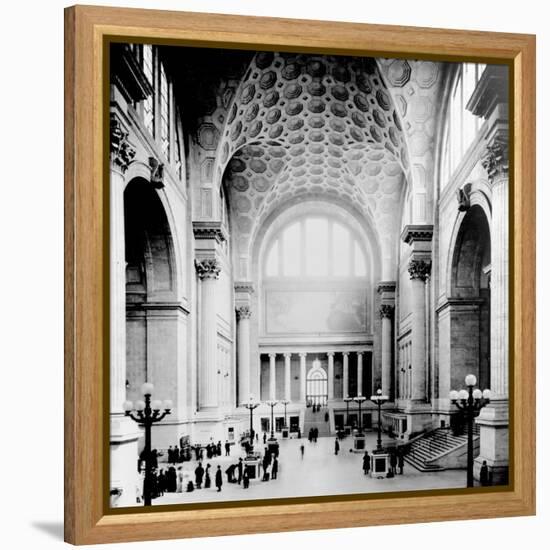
(209, 230)
(417, 233)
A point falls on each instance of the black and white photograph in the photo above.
(309, 275)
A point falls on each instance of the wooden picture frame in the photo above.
(87, 521)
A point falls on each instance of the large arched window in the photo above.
(315, 247)
(462, 126)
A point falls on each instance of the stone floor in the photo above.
(319, 473)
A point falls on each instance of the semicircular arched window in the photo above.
(315, 247)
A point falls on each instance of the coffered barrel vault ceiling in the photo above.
(346, 128)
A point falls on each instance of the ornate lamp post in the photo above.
(360, 399)
(147, 413)
(378, 399)
(347, 400)
(251, 404)
(285, 403)
(272, 404)
(470, 402)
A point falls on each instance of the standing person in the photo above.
(240, 471)
(484, 474)
(246, 479)
(265, 437)
(227, 448)
(274, 468)
(179, 486)
(207, 479)
(170, 455)
(219, 480)
(219, 448)
(366, 463)
(302, 450)
(393, 463)
(199, 473)
(336, 446)
(400, 462)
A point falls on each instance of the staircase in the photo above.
(440, 450)
(316, 420)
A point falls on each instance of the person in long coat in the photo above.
(400, 462)
(240, 471)
(393, 463)
(274, 468)
(199, 473)
(246, 479)
(179, 486)
(207, 480)
(366, 463)
(219, 480)
(484, 474)
(336, 446)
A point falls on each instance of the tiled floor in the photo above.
(319, 473)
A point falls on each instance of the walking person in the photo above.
(246, 479)
(227, 448)
(219, 480)
(302, 450)
(336, 446)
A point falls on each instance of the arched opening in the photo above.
(316, 385)
(152, 312)
(470, 302)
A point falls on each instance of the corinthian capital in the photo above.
(495, 160)
(122, 151)
(386, 310)
(244, 312)
(419, 269)
(208, 268)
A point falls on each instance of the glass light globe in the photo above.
(156, 405)
(167, 404)
(127, 406)
(147, 388)
(463, 394)
(379, 392)
(140, 405)
(487, 394)
(477, 393)
(453, 395)
(470, 380)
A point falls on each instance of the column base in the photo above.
(493, 437)
(124, 478)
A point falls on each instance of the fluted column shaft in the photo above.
(208, 271)
(117, 291)
(243, 350)
(303, 376)
(359, 373)
(386, 313)
(287, 376)
(499, 287)
(346, 374)
(419, 271)
(330, 355)
(272, 381)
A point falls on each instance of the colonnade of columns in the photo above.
(303, 375)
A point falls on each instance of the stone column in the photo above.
(346, 374)
(287, 376)
(493, 420)
(359, 373)
(272, 382)
(243, 350)
(419, 271)
(122, 154)
(208, 271)
(330, 355)
(124, 434)
(386, 314)
(303, 376)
